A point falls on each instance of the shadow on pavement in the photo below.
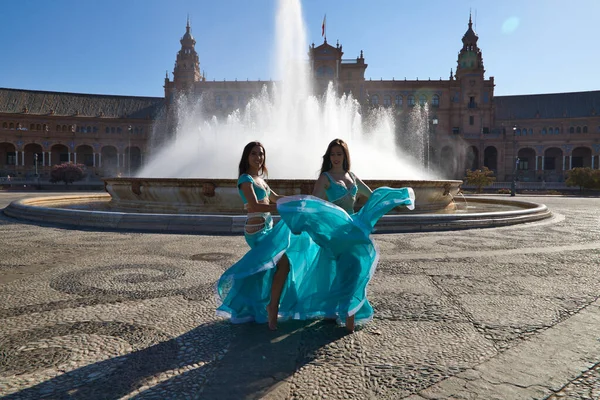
(223, 361)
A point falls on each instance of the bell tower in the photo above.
(470, 60)
(187, 64)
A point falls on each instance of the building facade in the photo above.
(468, 127)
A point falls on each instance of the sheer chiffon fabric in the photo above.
(332, 259)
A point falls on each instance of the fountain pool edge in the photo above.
(39, 209)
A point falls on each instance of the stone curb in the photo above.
(38, 210)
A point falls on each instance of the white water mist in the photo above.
(294, 125)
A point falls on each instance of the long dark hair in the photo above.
(327, 161)
(245, 165)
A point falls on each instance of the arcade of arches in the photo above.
(32, 158)
(543, 163)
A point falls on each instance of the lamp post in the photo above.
(434, 123)
(513, 185)
(37, 177)
(129, 130)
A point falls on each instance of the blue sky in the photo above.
(126, 46)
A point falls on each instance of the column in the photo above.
(536, 163)
(564, 162)
(118, 160)
(542, 163)
(94, 160)
(571, 162)
(23, 158)
(593, 156)
(43, 158)
(99, 160)
(75, 157)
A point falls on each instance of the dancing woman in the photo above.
(341, 233)
(243, 288)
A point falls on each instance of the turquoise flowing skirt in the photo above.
(332, 259)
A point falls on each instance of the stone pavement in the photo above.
(498, 313)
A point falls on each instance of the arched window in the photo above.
(107, 130)
(387, 101)
(229, 101)
(556, 130)
(398, 101)
(411, 100)
(543, 131)
(422, 100)
(571, 130)
(11, 126)
(578, 129)
(38, 127)
(435, 100)
(517, 132)
(112, 129)
(118, 129)
(374, 100)
(550, 131)
(585, 129)
(64, 128)
(32, 127)
(531, 131)
(5, 125)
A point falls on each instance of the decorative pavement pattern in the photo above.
(499, 313)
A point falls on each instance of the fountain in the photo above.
(190, 183)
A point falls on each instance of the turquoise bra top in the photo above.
(261, 193)
(336, 191)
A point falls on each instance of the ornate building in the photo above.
(107, 134)
(468, 126)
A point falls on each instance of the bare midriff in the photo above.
(256, 223)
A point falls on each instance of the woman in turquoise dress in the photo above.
(342, 234)
(315, 263)
(251, 290)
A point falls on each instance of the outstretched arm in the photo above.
(363, 189)
(273, 197)
(253, 204)
(321, 186)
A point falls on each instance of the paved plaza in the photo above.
(497, 313)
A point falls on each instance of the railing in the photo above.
(524, 185)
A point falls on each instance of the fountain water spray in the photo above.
(293, 123)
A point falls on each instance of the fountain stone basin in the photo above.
(199, 196)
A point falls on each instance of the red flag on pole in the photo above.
(323, 26)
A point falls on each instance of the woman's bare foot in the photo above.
(350, 324)
(272, 316)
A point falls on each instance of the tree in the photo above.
(480, 178)
(66, 172)
(585, 178)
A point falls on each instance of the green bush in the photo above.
(480, 178)
(585, 178)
